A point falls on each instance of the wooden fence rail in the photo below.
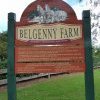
(41, 75)
(3, 71)
(18, 79)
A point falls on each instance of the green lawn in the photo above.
(67, 87)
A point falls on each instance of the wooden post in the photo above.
(11, 77)
(89, 78)
(49, 75)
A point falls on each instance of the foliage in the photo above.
(3, 76)
(80, 0)
(3, 45)
(94, 5)
(3, 64)
(96, 56)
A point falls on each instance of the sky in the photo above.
(18, 6)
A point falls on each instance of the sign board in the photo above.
(49, 38)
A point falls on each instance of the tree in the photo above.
(80, 0)
(94, 6)
(3, 45)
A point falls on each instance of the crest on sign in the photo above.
(47, 15)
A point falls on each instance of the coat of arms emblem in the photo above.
(47, 15)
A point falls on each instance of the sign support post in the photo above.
(11, 77)
(89, 78)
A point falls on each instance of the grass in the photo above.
(67, 87)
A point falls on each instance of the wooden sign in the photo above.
(49, 38)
